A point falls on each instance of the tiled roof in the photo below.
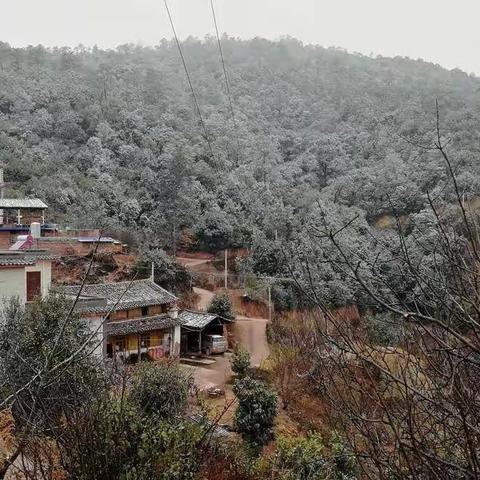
(122, 295)
(22, 203)
(140, 325)
(198, 320)
(23, 258)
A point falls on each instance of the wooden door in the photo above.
(34, 287)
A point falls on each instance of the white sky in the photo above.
(441, 31)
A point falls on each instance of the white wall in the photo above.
(13, 281)
(97, 326)
(175, 339)
(12, 284)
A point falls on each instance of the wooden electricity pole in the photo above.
(269, 302)
(226, 269)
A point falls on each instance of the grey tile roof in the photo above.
(121, 295)
(140, 325)
(199, 320)
(22, 203)
(23, 258)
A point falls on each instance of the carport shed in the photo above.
(195, 324)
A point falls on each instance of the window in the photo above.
(144, 311)
(33, 285)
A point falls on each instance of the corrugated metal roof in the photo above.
(96, 240)
(140, 325)
(198, 320)
(17, 258)
(22, 203)
(122, 295)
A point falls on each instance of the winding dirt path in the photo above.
(249, 332)
(204, 297)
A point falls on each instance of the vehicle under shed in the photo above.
(197, 326)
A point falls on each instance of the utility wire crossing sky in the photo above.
(439, 31)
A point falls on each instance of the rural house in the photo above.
(132, 318)
(25, 274)
(140, 318)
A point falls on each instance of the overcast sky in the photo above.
(442, 31)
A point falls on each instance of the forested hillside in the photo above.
(113, 138)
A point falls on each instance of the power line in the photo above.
(227, 84)
(207, 138)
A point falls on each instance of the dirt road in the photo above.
(250, 332)
(191, 262)
(204, 298)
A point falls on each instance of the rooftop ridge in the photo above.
(122, 283)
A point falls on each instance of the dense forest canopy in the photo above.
(112, 138)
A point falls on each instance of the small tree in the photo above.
(161, 389)
(257, 408)
(240, 362)
(167, 273)
(102, 439)
(46, 370)
(114, 439)
(221, 305)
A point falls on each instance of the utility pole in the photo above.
(269, 302)
(152, 274)
(226, 269)
(174, 240)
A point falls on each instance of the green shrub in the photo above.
(167, 273)
(161, 389)
(384, 329)
(308, 457)
(256, 411)
(113, 440)
(28, 337)
(221, 305)
(170, 451)
(240, 362)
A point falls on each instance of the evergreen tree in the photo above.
(221, 305)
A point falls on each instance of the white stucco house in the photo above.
(25, 274)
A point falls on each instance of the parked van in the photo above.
(214, 344)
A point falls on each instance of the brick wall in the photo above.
(5, 242)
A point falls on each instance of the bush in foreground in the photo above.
(255, 415)
(161, 389)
